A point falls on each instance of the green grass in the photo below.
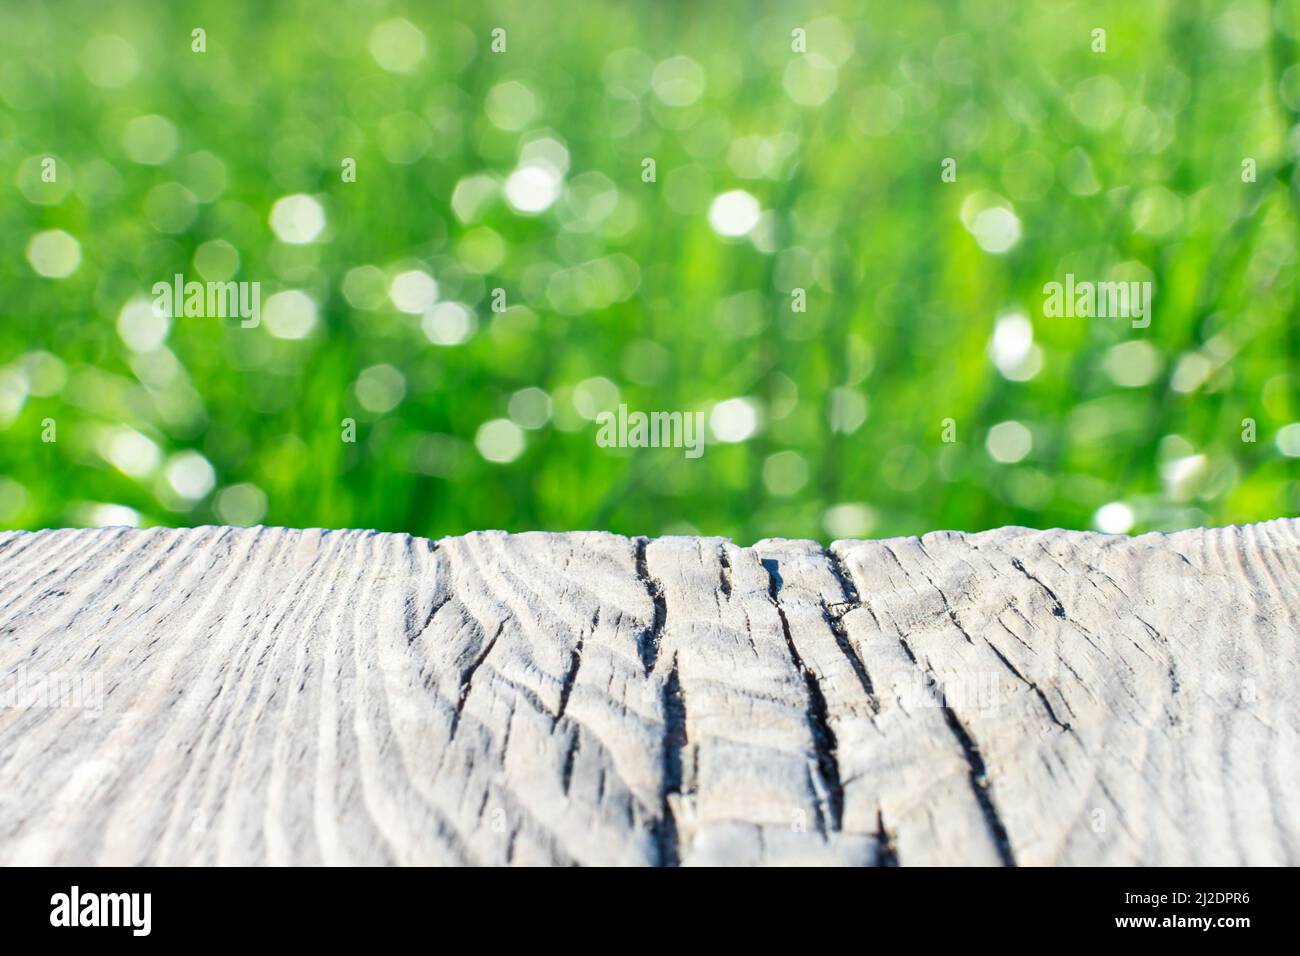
(1126, 162)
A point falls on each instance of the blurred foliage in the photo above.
(522, 170)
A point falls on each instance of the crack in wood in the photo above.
(649, 640)
(835, 618)
(823, 737)
(674, 743)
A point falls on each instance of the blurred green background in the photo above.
(522, 170)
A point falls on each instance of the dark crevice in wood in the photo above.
(834, 615)
(467, 678)
(674, 743)
(673, 704)
(823, 737)
(979, 782)
(575, 661)
(1057, 607)
(843, 576)
(724, 572)
(980, 786)
(1047, 705)
(952, 616)
(569, 755)
(649, 641)
(442, 562)
(886, 852)
(413, 634)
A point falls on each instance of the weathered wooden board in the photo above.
(222, 695)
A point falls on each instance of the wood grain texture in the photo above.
(269, 696)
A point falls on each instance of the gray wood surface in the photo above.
(222, 695)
